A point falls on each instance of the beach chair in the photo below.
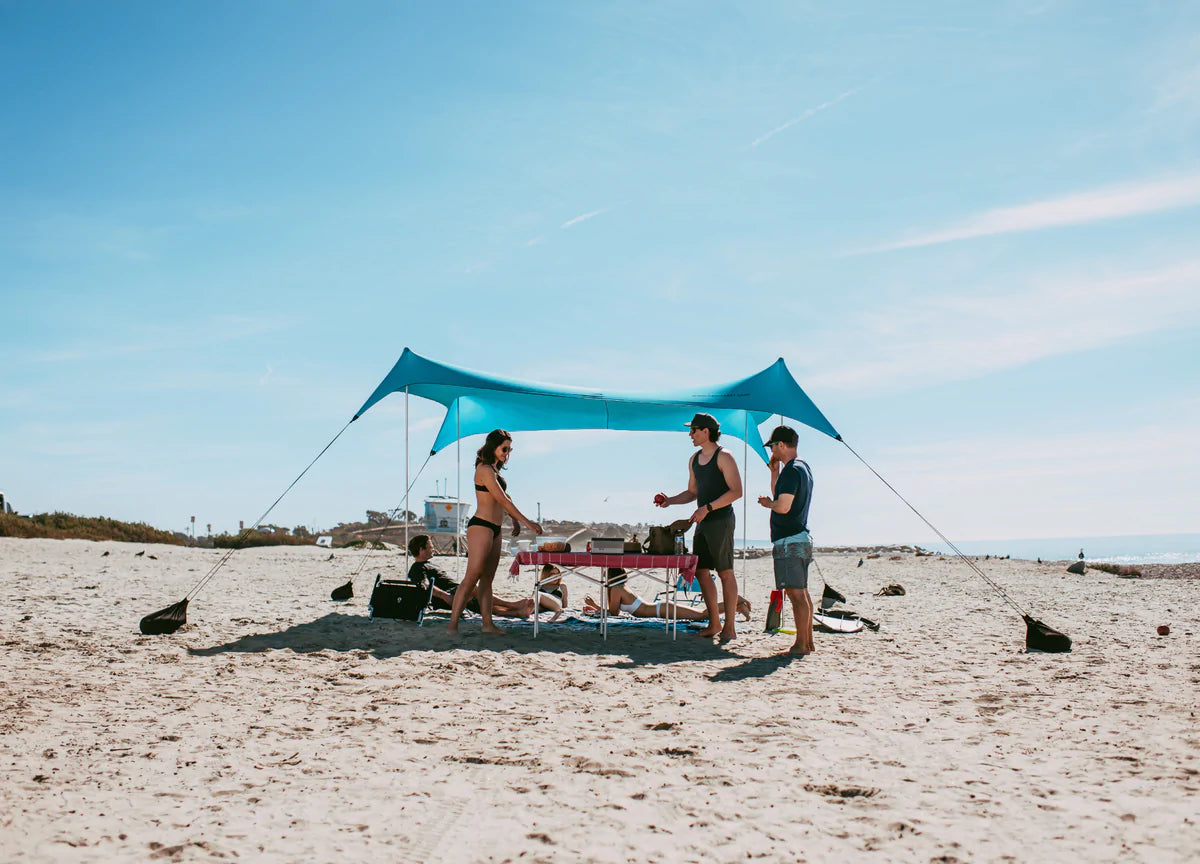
(685, 591)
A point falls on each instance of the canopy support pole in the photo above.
(406, 483)
(745, 480)
(458, 494)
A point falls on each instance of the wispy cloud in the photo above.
(955, 338)
(1177, 76)
(809, 113)
(583, 217)
(162, 337)
(1098, 205)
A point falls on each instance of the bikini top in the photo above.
(499, 480)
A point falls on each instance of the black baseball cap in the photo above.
(704, 421)
(783, 435)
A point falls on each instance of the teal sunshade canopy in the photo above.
(477, 403)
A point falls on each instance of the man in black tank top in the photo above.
(714, 484)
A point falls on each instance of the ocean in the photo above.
(1126, 549)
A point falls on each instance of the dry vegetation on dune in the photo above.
(64, 526)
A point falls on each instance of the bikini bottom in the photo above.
(483, 523)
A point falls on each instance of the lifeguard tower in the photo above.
(445, 518)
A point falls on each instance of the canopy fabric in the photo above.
(478, 403)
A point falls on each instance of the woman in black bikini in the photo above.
(483, 529)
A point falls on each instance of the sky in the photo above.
(971, 230)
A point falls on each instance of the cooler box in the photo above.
(608, 545)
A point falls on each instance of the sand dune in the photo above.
(279, 726)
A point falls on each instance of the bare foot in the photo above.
(525, 609)
(493, 630)
(452, 629)
(798, 650)
(726, 638)
(708, 632)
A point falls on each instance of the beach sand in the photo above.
(279, 726)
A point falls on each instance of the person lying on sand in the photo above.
(444, 588)
(621, 599)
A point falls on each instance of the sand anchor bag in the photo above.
(1040, 637)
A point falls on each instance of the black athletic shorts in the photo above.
(713, 544)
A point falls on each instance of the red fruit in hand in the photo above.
(660, 498)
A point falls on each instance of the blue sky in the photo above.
(971, 232)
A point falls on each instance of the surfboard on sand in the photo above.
(828, 624)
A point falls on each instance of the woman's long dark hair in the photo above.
(486, 455)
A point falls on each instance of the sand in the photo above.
(279, 726)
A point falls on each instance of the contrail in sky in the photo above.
(583, 218)
(810, 112)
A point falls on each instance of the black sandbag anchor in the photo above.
(830, 596)
(1041, 637)
(165, 620)
(342, 592)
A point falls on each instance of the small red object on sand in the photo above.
(1163, 629)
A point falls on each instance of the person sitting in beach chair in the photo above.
(621, 599)
(422, 572)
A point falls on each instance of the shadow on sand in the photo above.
(757, 667)
(384, 638)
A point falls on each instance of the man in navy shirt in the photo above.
(792, 550)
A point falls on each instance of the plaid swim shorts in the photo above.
(791, 556)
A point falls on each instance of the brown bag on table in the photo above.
(662, 537)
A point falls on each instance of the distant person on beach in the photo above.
(483, 529)
(792, 549)
(621, 599)
(714, 484)
(422, 572)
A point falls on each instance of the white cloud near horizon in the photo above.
(1098, 205)
(808, 113)
(1009, 483)
(956, 337)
